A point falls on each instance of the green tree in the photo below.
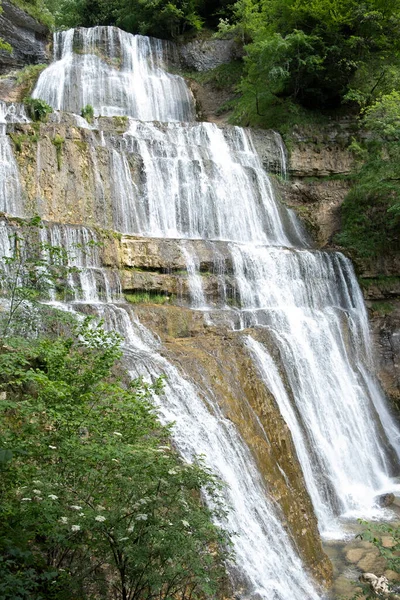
(93, 498)
(319, 54)
(30, 269)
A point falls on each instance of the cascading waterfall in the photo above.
(199, 181)
(312, 309)
(118, 74)
(265, 557)
(11, 198)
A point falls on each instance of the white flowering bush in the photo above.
(94, 502)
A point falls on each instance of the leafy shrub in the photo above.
(94, 500)
(371, 210)
(37, 109)
(87, 113)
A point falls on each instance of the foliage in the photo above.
(94, 501)
(374, 533)
(29, 270)
(148, 297)
(160, 18)
(58, 141)
(37, 109)
(371, 210)
(383, 117)
(38, 9)
(27, 77)
(4, 46)
(319, 54)
(87, 113)
(224, 77)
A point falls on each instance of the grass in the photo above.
(20, 138)
(148, 298)
(382, 307)
(28, 76)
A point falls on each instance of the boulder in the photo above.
(384, 500)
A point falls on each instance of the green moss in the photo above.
(20, 139)
(81, 145)
(121, 122)
(148, 298)
(382, 308)
(382, 281)
(108, 233)
(58, 142)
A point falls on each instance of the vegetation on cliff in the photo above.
(371, 211)
(94, 500)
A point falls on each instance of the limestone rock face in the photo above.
(28, 38)
(242, 397)
(203, 55)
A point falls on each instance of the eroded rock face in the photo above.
(201, 351)
(386, 336)
(28, 38)
(203, 55)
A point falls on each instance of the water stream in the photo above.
(197, 181)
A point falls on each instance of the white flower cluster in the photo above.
(100, 518)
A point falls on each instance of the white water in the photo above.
(313, 312)
(198, 181)
(11, 197)
(195, 284)
(266, 562)
(114, 72)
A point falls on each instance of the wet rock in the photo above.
(380, 586)
(354, 555)
(204, 55)
(27, 37)
(384, 500)
(372, 561)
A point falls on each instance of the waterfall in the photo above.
(118, 74)
(265, 557)
(312, 311)
(191, 181)
(11, 198)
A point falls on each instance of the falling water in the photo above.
(118, 74)
(11, 198)
(312, 309)
(265, 557)
(199, 181)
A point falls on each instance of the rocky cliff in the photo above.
(29, 39)
(67, 176)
